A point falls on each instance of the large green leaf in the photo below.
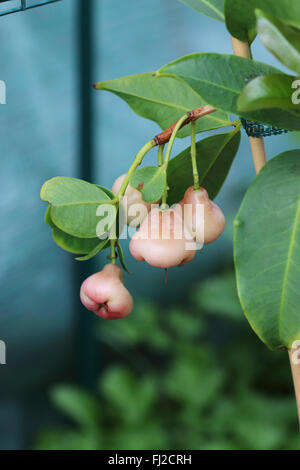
(267, 251)
(220, 80)
(215, 155)
(74, 204)
(75, 245)
(269, 91)
(152, 180)
(163, 101)
(212, 8)
(241, 20)
(281, 39)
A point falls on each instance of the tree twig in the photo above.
(195, 114)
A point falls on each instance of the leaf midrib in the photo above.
(288, 265)
(215, 9)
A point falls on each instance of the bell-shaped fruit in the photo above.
(203, 218)
(162, 240)
(132, 203)
(104, 294)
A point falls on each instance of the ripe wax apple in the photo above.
(214, 220)
(163, 240)
(136, 208)
(105, 294)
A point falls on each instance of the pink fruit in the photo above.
(104, 294)
(162, 240)
(136, 209)
(214, 220)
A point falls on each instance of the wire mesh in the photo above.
(255, 129)
(13, 6)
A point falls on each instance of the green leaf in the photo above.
(79, 405)
(163, 101)
(95, 251)
(74, 205)
(69, 243)
(240, 15)
(152, 181)
(215, 155)
(282, 40)
(267, 251)
(219, 79)
(269, 91)
(212, 8)
(122, 257)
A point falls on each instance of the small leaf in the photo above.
(280, 39)
(121, 257)
(152, 181)
(267, 251)
(269, 91)
(48, 219)
(74, 206)
(215, 155)
(241, 20)
(163, 101)
(212, 8)
(220, 79)
(100, 247)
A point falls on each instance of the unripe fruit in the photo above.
(134, 215)
(162, 240)
(214, 220)
(104, 294)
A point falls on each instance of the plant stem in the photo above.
(194, 155)
(113, 257)
(161, 155)
(172, 139)
(296, 377)
(259, 156)
(136, 162)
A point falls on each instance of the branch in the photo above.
(195, 114)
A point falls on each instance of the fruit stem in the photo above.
(136, 162)
(113, 257)
(161, 155)
(172, 139)
(194, 155)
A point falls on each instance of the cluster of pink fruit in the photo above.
(156, 242)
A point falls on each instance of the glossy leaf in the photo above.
(240, 15)
(163, 101)
(78, 246)
(221, 78)
(102, 245)
(212, 8)
(215, 155)
(151, 181)
(74, 204)
(269, 91)
(267, 251)
(281, 39)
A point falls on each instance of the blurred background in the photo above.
(184, 371)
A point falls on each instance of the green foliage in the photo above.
(269, 91)
(267, 251)
(175, 380)
(219, 79)
(215, 155)
(212, 8)
(163, 101)
(151, 181)
(122, 257)
(241, 20)
(280, 39)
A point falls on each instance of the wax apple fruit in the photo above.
(105, 294)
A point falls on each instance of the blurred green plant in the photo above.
(182, 378)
